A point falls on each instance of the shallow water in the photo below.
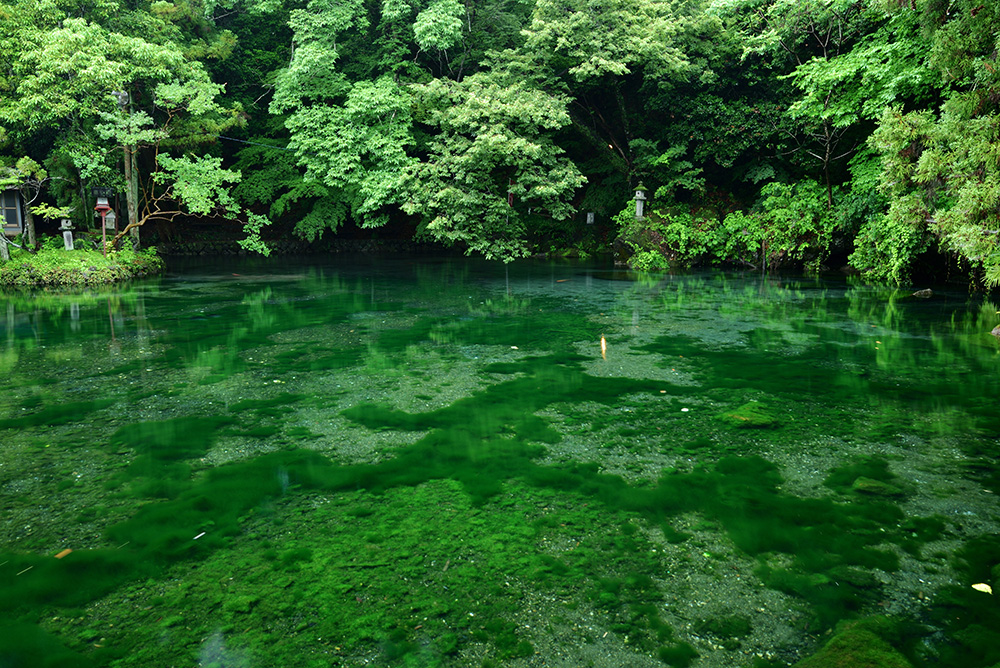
(419, 462)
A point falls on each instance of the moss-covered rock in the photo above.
(751, 415)
(860, 644)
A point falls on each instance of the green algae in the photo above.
(176, 438)
(837, 371)
(312, 358)
(274, 407)
(76, 579)
(533, 325)
(725, 626)
(873, 468)
(215, 523)
(58, 414)
(751, 415)
(834, 539)
(856, 647)
(970, 617)
(680, 655)
(388, 578)
(214, 508)
(204, 517)
(28, 646)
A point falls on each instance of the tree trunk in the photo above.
(29, 228)
(132, 193)
(831, 141)
(87, 221)
(4, 249)
(829, 188)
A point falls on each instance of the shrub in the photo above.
(791, 223)
(887, 245)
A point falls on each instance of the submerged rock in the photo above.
(996, 331)
(751, 415)
(924, 293)
(873, 487)
(856, 646)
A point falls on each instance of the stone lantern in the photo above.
(640, 201)
(66, 225)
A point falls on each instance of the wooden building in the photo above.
(12, 210)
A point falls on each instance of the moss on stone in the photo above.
(858, 644)
(751, 415)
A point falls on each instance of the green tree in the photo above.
(415, 121)
(492, 160)
(941, 169)
(186, 185)
(598, 54)
(64, 69)
(807, 41)
(708, 142)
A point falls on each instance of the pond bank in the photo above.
(58, 267)
(55, 267)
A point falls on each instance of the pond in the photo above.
(419, 461)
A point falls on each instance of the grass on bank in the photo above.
(52, 265)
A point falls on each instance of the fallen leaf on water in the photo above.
(983, 587)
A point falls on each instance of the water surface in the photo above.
(436, 462)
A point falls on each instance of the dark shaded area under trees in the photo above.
(769, 132)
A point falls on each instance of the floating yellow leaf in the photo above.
(983, 587)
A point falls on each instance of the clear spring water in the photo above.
(418, 462)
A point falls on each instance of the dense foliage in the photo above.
(769, 131)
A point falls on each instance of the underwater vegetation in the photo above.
(861, 643)
(473, 534)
